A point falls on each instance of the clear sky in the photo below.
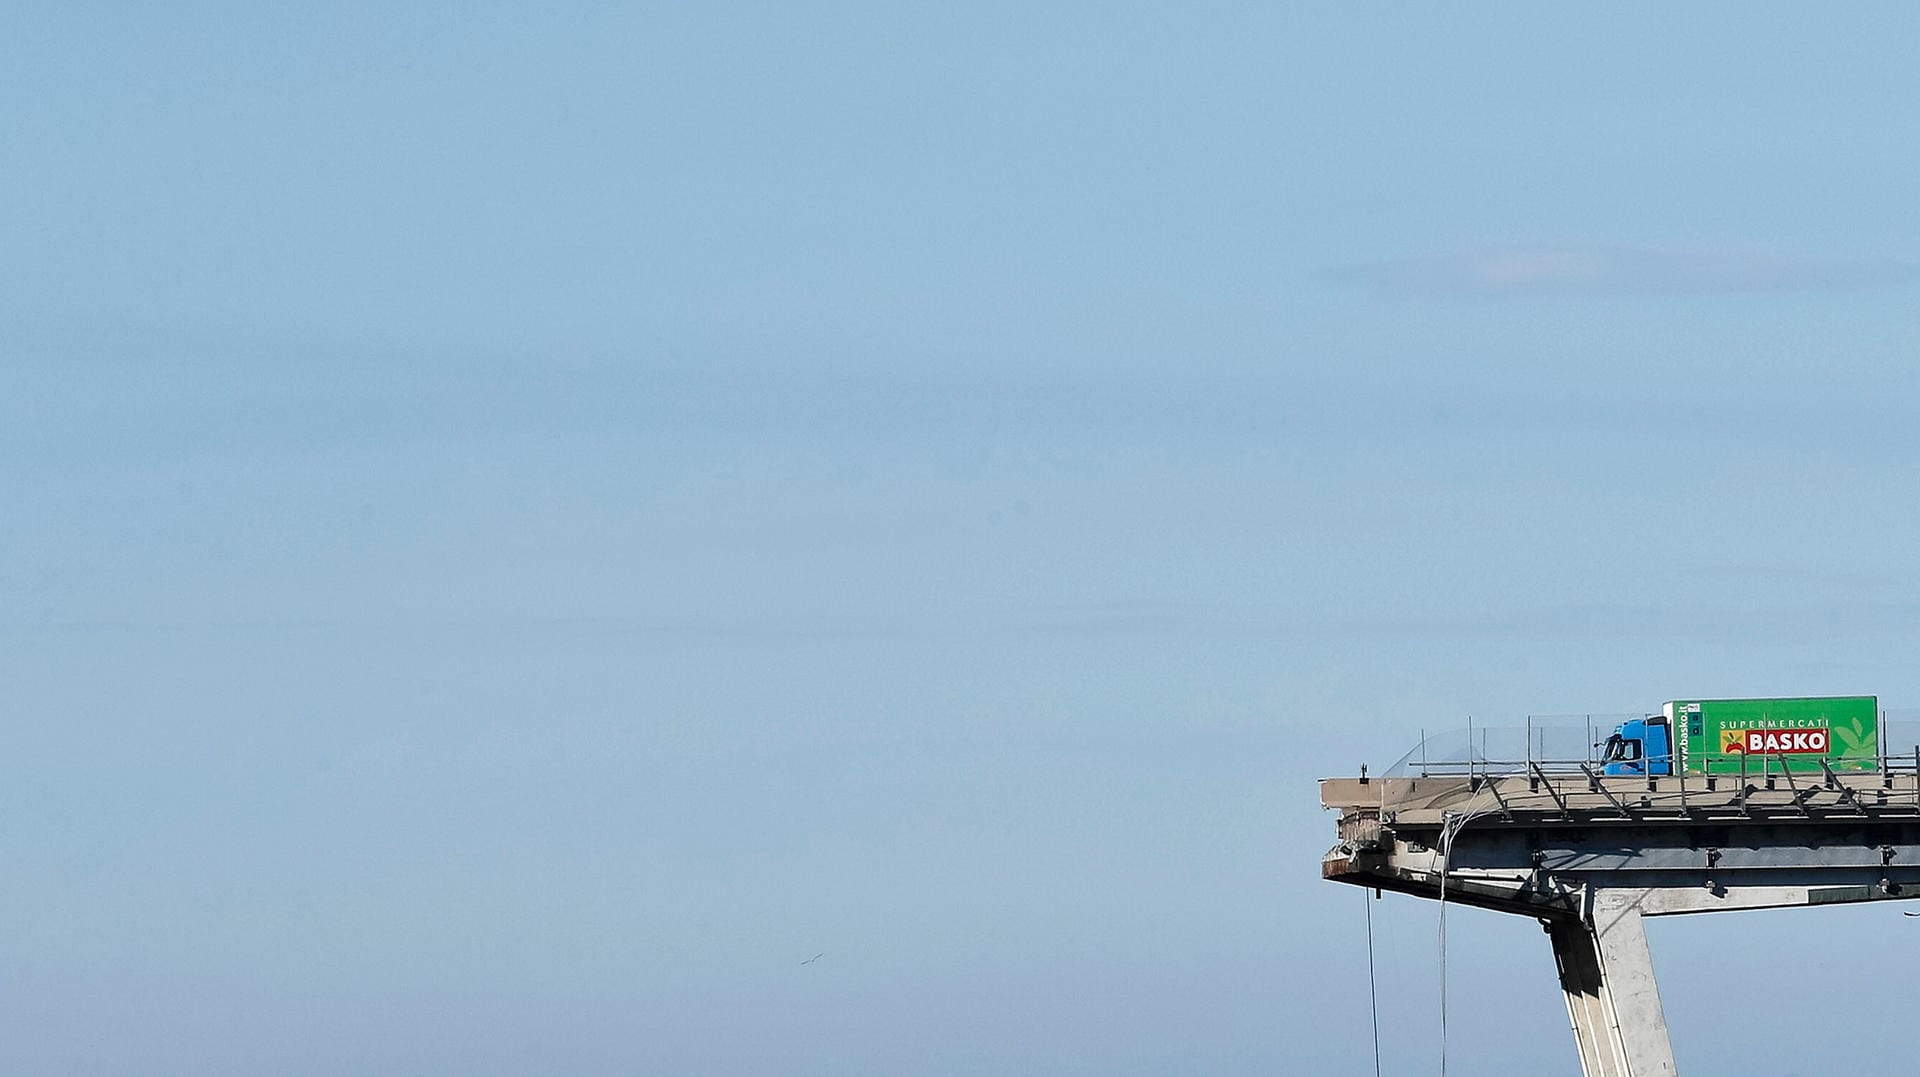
(521, 528)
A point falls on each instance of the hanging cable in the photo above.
(1451, 823)
(1446, 847)
(1373, 994)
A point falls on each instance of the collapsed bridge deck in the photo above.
(1589, 855)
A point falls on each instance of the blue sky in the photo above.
(524, 527)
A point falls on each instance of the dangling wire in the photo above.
(1446, 842)
(1373, 994)
(1451, 823)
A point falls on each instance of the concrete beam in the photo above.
(1606, 974)
(1626, 968)
(1574, 798)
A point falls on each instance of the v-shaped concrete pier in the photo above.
(1589, 856)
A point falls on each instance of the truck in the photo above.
(1735, 736)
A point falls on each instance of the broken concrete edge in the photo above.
(1370, 872)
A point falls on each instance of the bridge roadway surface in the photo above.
(1590, 856)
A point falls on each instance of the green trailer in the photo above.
(1725, 736)
(1753, 736)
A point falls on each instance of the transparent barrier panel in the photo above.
(1553, 741)
(1567, 741)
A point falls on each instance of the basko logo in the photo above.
(1773, 741)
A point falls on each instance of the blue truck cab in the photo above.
(1640, 746)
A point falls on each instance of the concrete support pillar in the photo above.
(1607, 974)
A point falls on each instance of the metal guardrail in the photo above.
(1718, 765)
(1575, 789)
(1567, 743)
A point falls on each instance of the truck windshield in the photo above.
(1620, 749)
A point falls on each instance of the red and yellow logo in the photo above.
(1774, 741)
